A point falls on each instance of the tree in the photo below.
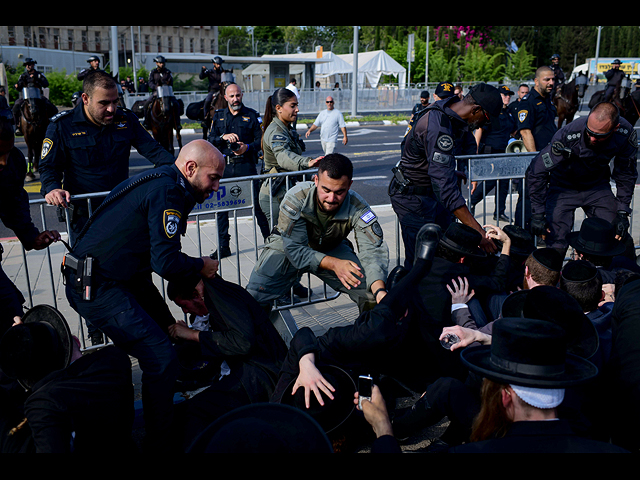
(521, 65)
(479, 66)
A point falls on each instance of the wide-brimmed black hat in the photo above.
(596, 237)
(334, 412)
(263, 428)
(488, 97)
(40, 345)
(557, 306)
(529, 353)
(522, 242)
(514, 303)
(463, 239)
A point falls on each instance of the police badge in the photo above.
(171, 220)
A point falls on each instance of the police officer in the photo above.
(557, 72)
(282, 149)
(158, 77)
(494, 138)
(425, 188)
(87, 149)
(94, 64)
(311, 236)
(536, 126)
(31, 78)
(214, 75)
(573, 171)
(614, 76)
(136, 231)
(15, 214)
(236, 132)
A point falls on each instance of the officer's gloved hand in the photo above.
(621, 224)
(539, 225)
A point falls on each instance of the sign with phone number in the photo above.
(230, 195)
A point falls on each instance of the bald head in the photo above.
(544, 80)
(202, 165)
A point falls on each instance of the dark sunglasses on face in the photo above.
(598, 136)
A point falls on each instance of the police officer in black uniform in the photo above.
(136, 231)
(573, 171)
(15, 214)
(158, 77)
(424, 188)
(536, 123)
(94, 64)
(31, 78)
(558, 74)
(236, 132)
(614, 76)
(494, 138)
(87, 149)
(214, 75)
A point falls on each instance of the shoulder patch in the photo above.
(522, 115)
(47, 144)
(445, 142)
(171, 222)
(368, 216)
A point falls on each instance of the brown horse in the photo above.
(568, 96)
(164, 118)
(218, 101)
(33, 122)
(628, 103)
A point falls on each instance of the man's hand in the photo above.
(46, 238)
(460, 293)
(467, 336)
(348, 272)
(539, 225)
(58, 197)
(312, 380)
(179, 330)
(621, 224)
(375, 412)
(210, 268)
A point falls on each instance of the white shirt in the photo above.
(331, 122)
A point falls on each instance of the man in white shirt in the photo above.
(331, 121)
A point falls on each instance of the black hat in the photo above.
(488, 97)
(579, 271)
(596, 237)
(463, 239)
(444, 90)
(557, 306)
(424, 94)
(616, 62)
(334, 412)
(529, 353)
(263, 428)
(513, 304)
(40, 345)
(549, 258)
(522, 242)
(505, 90)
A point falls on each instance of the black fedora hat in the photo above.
(40, 345)
(334, 412)
(513, 304)
(263, 428)
(596, 237)
(529, 353)
(463, 239)
(554, 305)
(488, 97)
(522, 242)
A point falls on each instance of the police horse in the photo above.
(164, 118)
(34, 120)
(568, 96)
(195, 110)
(628, 102)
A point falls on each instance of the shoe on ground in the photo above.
(224, 253)
(502, 218)
(301, 291)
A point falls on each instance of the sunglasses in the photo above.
(329, 102)
(598, 136)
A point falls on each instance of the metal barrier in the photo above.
(234, 196)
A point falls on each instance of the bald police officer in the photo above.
(573, 171)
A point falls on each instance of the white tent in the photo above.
(372, 65)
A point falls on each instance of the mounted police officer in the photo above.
(558, 74)
(424, 188)
(87, 149)
(215, 81)
(614, 76)
(136, 231)
(573, 171)
(158, 77)
(31, 78)
(94, 64)
(236, 132)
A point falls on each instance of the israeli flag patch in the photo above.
(368, 216)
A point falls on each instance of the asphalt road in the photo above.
(374, 149)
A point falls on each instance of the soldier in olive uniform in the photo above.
(311, 236)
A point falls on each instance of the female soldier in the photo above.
(282, 150)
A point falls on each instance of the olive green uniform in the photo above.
(304, 236)
(282, 153)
